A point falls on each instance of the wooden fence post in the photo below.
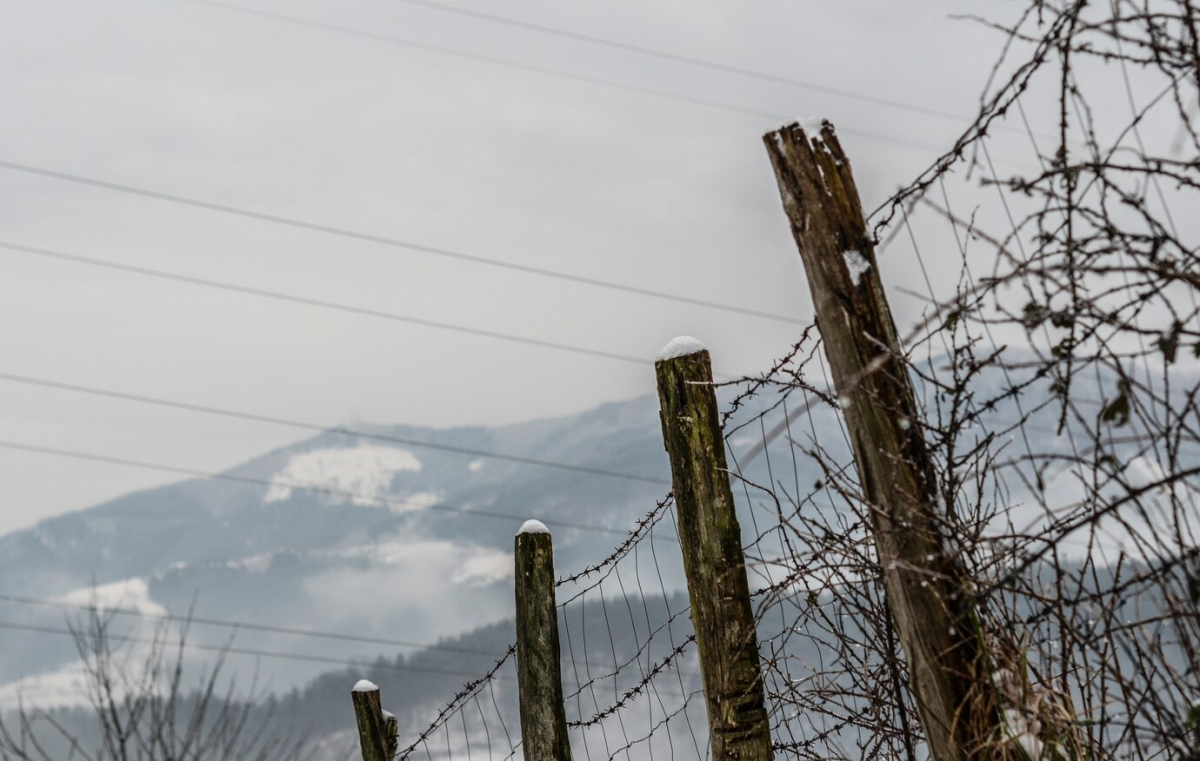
(391, 733)
(375, 731)
(923, 577)
(711, 540)
(539, 673)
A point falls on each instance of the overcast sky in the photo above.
(356, 132)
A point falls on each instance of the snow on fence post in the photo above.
(711, 540)
(539, 673)
(925, 583)
(376, 733)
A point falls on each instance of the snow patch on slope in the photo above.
(461, 564)
(421, 500)
(65, 686)
(68, 686)
(131, 594)
(260, 563)
(485, 569)
(360, 474)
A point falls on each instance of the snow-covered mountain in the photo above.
(337, 532)
(374, 536)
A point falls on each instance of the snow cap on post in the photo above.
(814, 130)
(814, 126)
(372, 727)
(681, 347)
(539, 671)
(533, 527)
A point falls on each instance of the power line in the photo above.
(664, 94)
(321, 491)
(323, 304)
(229, 649)
(678, 58)
(245, 625)
(252, 651)
(386, 241)
(333, 305)
(254, 417)
(190, 619)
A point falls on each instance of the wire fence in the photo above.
(1052, 354)
(1051, 340)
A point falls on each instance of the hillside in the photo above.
(336, 533)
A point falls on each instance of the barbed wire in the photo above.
(1058, 400)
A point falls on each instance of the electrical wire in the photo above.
(427, 47)
(246, 625)
(384, 240)
(320, 491)
(254, 417)
(332, 305)
(256, 652)
(678, 58)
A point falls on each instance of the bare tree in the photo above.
(1058, 382)
(1056, 371)
(145, 705)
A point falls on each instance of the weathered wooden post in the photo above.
(391, 733)
(923, 578)
(374, 730)
(539, 673)
(711, 540)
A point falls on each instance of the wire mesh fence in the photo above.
(1050, 331)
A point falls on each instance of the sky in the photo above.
(352, 115)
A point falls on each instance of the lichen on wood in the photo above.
(539, 672)
(711, 540)
(926, 586)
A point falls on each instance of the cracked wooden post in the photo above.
(391, 733)
(711, 540)
(539, 673)
(374, 728)
(924, 581)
